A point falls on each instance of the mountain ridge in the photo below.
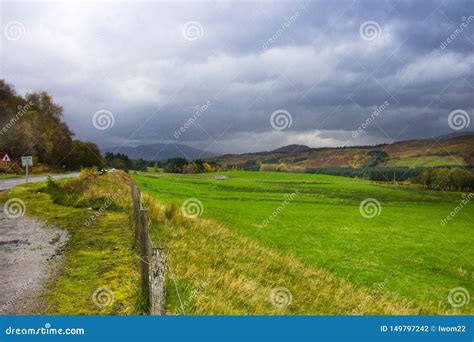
(160, 151)
(453, 149)
(411, 153)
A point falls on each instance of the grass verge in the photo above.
(98, 259)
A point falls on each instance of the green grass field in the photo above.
(403, 253)
(427, 161)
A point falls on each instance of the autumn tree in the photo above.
(33, 125)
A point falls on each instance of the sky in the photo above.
(235, 77)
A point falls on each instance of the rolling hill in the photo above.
(412, 153)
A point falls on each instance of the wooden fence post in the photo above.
(157, 281)
(152, 259)
(144, 242)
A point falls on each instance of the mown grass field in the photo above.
(401, 261)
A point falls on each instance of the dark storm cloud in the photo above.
(249, 60)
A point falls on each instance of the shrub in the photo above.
(207, 167)
(269, 167)
(51, 184)
(89, 173)
(251, 165)
(283, 168)
(175, 165)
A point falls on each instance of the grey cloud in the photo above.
(132, 59)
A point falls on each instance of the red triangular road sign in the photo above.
(6, 158)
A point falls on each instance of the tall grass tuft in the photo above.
(172, 211)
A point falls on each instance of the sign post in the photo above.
(26, 162)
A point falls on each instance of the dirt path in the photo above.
(29, 255)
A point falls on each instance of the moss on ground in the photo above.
(98, 255)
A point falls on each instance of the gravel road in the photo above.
(30, 253)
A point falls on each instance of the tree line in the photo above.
(123, 162)
(438, 178)
(33, 125)
(182, 165)
(461, 179)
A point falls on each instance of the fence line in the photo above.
(152, 258)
